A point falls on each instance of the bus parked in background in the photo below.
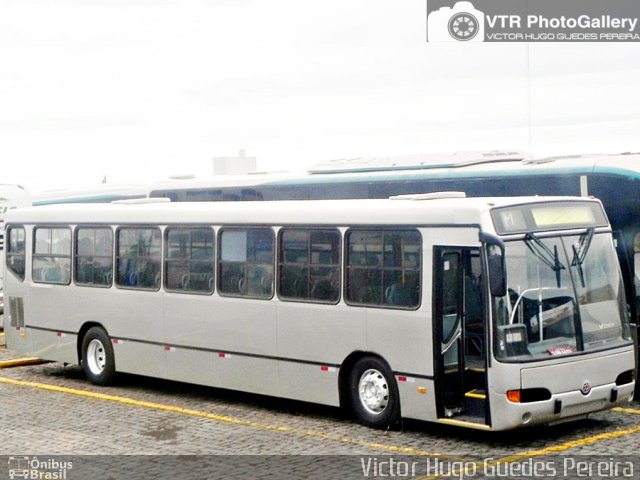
(102, 193)
(11, 196)
(488, 313)
(614, 179)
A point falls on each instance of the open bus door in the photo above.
(459, 332)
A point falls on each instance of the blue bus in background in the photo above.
(614, 179)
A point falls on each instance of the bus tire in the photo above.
(98, 360)
(374, 393)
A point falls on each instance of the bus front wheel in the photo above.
(98, 361)
(374, 393)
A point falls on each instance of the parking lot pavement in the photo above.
(51, 409)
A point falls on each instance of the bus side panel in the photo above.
(43, 344)
(193, 366)
(136, 318)
(417, 397)
(17, 338)
(41, 314)
(324, 335)
(236, 336)
(67, 347)
(140, 358)
(247, 373)
(403, 339)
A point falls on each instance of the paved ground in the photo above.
(50, 409)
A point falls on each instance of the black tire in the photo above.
(98, 360)
(374, 393)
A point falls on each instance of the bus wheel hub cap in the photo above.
(373, 391)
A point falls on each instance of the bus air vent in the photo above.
(16, 308)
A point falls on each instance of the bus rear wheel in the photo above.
(98, 360)
(374, 393)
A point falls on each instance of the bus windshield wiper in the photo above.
(580, 253)
(545, 254)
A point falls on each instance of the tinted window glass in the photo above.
(310, 265)
(189, 260)
(383, 268)
(138, 258)
(52, 255)
(16, 251)
(94, 256)
(246, 266)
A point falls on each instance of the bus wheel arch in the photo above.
(96, 354)
(368, 372)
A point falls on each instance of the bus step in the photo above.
(477, 394)
(474, 380)
(475, 403)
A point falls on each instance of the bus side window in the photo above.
(16, 251)
(383, 268)
(309, 262)
(138, 256)
(246, 262)
(94, 256)
(189, 260)
(52, 255)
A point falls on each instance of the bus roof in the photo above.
(100, 193)
(416, 210)
(412, 167)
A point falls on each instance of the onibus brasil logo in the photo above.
(38, 469)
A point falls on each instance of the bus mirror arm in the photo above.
(495, 259)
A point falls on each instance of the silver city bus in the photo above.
(489, 313)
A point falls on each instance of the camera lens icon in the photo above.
(463, 26)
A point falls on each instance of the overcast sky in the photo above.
(143, 89)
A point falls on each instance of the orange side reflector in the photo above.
(513, 396)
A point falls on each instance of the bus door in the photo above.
(459, 330)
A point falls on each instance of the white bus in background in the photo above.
(488, 313)
(11, 196)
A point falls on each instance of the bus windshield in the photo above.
(564, 296)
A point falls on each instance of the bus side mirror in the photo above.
(636, 265)
(497, 271)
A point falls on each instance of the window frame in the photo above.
(117, 257)
(280, 263)
(166, 261)
(35, 256)
(9, 254)
(419, 269)
(76, 255)
(220, 263)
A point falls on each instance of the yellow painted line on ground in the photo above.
(554, 449)
(632, 411)
(580, 442)
(21, 362)
(224, 418)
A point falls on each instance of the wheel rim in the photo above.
(373, 391)
(96, 356)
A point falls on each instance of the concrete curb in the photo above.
(21, 362)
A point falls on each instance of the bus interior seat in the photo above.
(323, 290)
(398, 294)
